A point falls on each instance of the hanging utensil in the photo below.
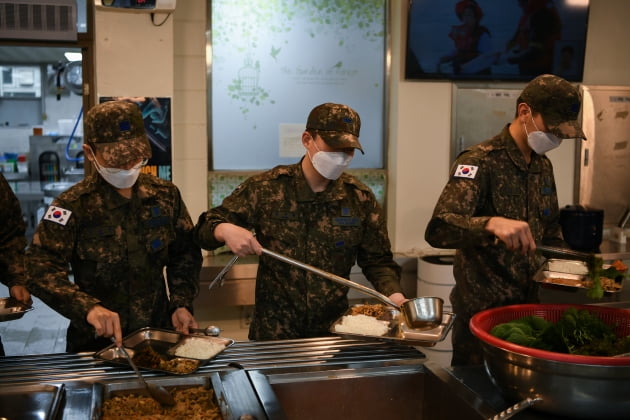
(157, 392)
(421, 312)
(223, 272)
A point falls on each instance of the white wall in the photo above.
(135, 57)
(171, 62)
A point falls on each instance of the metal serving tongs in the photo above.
(223, 272)
(567, 253)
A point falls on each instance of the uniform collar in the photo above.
(516, 155)
(334, 191)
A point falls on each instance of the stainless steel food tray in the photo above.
(105, 390)
(164, 342)
(399, 332)
(30, 401)
(11, 309)
(569, 281)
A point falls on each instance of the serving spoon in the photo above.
(157, 392)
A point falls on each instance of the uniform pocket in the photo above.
(100, 244)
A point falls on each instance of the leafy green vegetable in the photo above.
(576, 332)
(596, 291)
(524, 331)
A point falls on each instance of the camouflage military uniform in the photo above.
(329, 230)
(490, 276)
(117, 249)
(12, 240)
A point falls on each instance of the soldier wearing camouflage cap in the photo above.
(499, 202)
(12, 246)
(118, 230)
(316, 213)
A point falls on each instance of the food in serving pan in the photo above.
(190, 403)
(151, 359)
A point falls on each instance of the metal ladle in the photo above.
(157, 392)
(421, 312)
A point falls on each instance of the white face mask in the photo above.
(119, 178)
(541, 142)
(330, 165)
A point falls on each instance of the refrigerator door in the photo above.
(605, 156)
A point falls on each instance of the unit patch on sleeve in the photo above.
(57, 215)
(466, 171)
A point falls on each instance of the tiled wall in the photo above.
(222, 183)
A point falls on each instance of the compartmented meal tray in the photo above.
(167, 347)
(572, 275)
(11, 309)
(397, 330)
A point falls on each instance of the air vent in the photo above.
(45, 20)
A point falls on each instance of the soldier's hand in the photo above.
(183, 320)
(240, 240)
(515, 234)
(106, 323)
(21, 294)
(398, 298)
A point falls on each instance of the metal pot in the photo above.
(562, 384)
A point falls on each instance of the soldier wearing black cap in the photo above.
(118, 230)
(316, 213)
(499, 202)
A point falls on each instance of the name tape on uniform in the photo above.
(57, 215)
(466, 171)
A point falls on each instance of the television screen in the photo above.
(500, 40)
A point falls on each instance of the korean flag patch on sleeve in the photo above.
(466, 171)
(57, 215)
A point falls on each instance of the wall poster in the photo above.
(157, 122)
(273, 61)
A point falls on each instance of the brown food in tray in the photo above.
(377, 311)
(190, 403)
(150, 359)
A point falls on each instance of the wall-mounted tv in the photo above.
(496, 40)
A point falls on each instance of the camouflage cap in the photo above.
(116, 130)
(558, 101)
(337, 124)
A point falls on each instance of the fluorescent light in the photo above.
(72, 56)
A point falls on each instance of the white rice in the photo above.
(362, 324)
(199, 349)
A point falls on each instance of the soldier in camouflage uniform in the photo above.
(499, 202)
(12, 246)
(117, 229)
(313, 212)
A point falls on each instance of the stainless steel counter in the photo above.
(293, 379)
(609, 250)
